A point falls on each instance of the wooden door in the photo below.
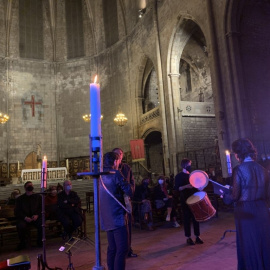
(30, 161)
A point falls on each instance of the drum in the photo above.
(198, 179)
(201, 206)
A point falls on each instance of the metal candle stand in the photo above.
(42, 262)
(97, 160)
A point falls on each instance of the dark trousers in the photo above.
(117, 248)
(67, 215)
(188, 217)
(23, 229)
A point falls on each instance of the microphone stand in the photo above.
(42, 259)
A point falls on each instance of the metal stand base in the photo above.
(70, 265)
(43, 265)
(224, 234)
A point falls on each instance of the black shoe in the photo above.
(199, 240)
(132, 255)
(190, 242)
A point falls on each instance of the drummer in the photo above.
(186, 190)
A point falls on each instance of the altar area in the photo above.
(34, 175)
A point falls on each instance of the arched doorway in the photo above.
(31, 161)
(154, 153)
(190, 93)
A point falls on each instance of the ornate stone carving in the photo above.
(150, 116)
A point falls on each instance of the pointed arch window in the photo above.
(110, 22)
(151, 97)
(185, 75)
(74, 24)
(31, 29)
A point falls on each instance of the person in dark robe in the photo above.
(250, 195)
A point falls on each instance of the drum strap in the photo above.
(106, 189)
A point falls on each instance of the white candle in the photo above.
(95, 113)
(67, 164)
(229, 164)
(44, 173)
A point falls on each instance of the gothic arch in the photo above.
(188, 43)
(148, 131)
(154, 152)
(143, 74)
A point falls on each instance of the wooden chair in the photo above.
(136, 213)
(158, 213)
(82, 228)
(3, 202)
(8, 222)
(89, 197)
(177, 205)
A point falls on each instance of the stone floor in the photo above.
(164, 248)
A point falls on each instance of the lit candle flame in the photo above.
(95, 80)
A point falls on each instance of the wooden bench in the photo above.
(5, 181)
(5, 230)
(8, 223)
(89, 198)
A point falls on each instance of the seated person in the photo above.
(69, 213)
(51, 207)
(163, 199)
(13, 196)
(28, 212)
(142, 195)
(59, 188)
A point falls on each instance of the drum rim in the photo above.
(202, 219)
(193, 195)
(202, 172)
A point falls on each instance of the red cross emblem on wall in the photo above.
(32, 103)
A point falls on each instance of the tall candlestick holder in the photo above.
(42, 260)
(96, 160)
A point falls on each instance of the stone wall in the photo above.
(161, 36)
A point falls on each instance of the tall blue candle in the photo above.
(229, 163)
(44, 173)
(95, 113)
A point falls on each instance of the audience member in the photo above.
(69, 213)
(142, 195)
(112, 212)
(186, 190)
(126, 172)
(28, 212)
(163, 199)
(59, 188)
(13, 196)
(51, 207)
